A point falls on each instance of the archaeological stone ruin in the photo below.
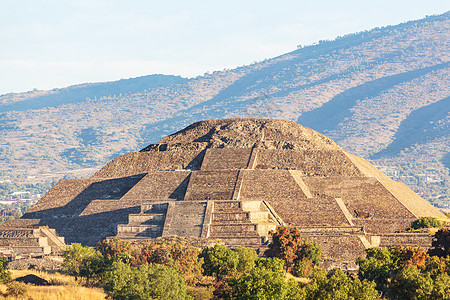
(233, 180)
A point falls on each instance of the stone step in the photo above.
(154, 208)
(211, 185)
(135, 229)
(232, 228)
(31, 250)
(233, 242)
(230, 216)
(245, 234)
(18, 232)
(19, 242)
(259, 216)
(140, 236)
(146, 219)
(226, 206)
(251, 206)
(132, 238)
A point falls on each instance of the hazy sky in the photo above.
(56, 43)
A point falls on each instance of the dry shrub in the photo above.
(16, 289)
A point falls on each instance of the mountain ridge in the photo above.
(381, 77)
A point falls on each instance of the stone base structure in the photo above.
(25, 239)
(236, 180)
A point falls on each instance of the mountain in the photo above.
(381, 94)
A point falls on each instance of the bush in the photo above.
(16, 289)
(426, 222)
(4, 273)
(144, 282)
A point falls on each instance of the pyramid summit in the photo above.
(235, 180)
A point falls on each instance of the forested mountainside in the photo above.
(381, 94)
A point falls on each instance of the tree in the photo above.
(285, 245)
(219, 261)
(299, 256)
(407, 272)
(441, 243)
(310, 251)
(266, 280)
(144, 282)
(426, 222)
(83, 261)
(114, 247)
(338, 285)
(410, 283)
(246, 259)
(186, 260)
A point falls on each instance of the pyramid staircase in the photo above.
(149, 223)
(245, 223)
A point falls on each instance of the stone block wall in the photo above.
(269, 185)
(340, 248)
(143, 162)
(364, 197)
(225, 159)
(382, 226)
(160, 185)
(212, 185)
(407, 239)
(311, 163)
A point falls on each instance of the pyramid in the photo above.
(236, 180)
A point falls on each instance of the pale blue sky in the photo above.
(47, 44)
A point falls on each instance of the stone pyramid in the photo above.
(236, 180)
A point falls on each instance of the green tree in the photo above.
(83, 261)
(219, 261)
(338, 285)
(144, 282)
(410, 283)
(310, 251)
(266, 280)
(426, 222)
(406, 272)
(246, 259)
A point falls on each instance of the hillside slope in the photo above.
(380, 94)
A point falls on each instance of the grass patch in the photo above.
(63, 287)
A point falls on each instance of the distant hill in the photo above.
(381, 94)
(83, 92)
